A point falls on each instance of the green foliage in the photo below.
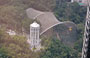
(19, 47)
(3, 50)
(15, 47)
(14, 17)
(69, 12)
(75, 13)
(46, 42)
(80, 30)
(1, 34)
(57, 50)
(26, 24)
(78, 45)
(3, 53)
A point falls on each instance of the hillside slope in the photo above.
(13, 16)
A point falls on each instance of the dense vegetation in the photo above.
(69, 12)
(15, 46)
(56, 49)
(75, 13)
(13, 16)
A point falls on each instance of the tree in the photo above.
(69, 12)
(58, 50)
(3, 53)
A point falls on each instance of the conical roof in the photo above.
(35, 24)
